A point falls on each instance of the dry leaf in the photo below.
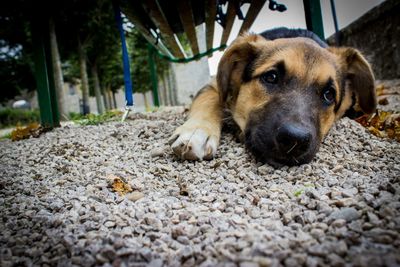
(119, 186)
(33, 129)
(382, 124)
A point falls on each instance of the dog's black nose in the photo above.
(293, 139)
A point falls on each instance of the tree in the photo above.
(140, 68)
(104, 46)
(57, 70)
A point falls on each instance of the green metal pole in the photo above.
(312, 10)
(46, 95)
(52, 84)
(153, 75)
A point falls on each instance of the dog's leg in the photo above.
(198, 137)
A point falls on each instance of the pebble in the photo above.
(238, 212)
(157, 152)
(135, 196)
(109, 224)
(347, 214)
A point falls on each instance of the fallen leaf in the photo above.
(33, 129)
(119, 186)
(382, 124)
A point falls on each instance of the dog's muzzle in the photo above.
(290, 144)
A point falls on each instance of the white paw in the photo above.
(194, 143)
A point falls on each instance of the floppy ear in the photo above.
(359, 74)
(234, 62)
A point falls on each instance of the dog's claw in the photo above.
(193, 144)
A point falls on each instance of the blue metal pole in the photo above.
(125, 57)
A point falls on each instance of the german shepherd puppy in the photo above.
(284, 88)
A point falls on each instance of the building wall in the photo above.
(191, 77)
(73, 96)
(377, 36)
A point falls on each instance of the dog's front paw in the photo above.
(194, 143)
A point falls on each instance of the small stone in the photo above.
(338, 223)
(177, 231)
(287, 218)
(318, 250)
(108, 252)
(146, 253)
(341, 248)
(309, 216)
(348, 214)
(155, 263)
(187, 251)
(372, 218)
(291, 262)
(335, 260)
(237, 219)
(265, 169)
(109, 224)
(248, 264)
(349, 192)
(344, 202)
(157, 152)
(134, 196)
(183, 239)
(317, 233)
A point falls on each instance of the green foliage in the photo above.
(6, 136)
(12, 117)
(93, 119)
(90, 21)
(300, 191)
(139, 57)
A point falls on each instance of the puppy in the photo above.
(284, 89)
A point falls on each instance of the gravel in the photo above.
(57, 207)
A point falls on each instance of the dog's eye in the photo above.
(270, 77)
(328, 95)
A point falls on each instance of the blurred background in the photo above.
(87, 65)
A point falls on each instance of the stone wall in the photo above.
(377, 35)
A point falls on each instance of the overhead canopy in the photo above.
(169, 24)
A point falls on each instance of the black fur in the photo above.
(282, 32)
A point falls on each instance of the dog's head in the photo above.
(285, 94)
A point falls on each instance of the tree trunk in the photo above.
(110, 98)
(84, 78)
(105, 98)
(57, 71)
(114, 99)
(97, 90)
(146, 102)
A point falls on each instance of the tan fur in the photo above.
(310, 68)
(251, 97)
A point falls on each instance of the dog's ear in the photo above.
(359, 74)
(234, 62)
